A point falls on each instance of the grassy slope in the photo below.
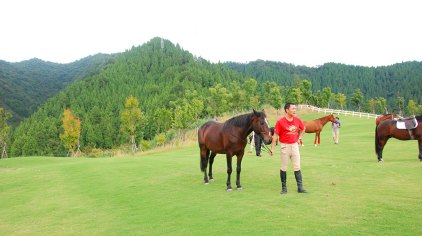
(163, 193)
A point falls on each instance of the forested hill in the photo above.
(27, 84)
(398, 80)
(174, 89)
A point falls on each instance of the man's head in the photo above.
(290, 109)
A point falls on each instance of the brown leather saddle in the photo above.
(407, 123)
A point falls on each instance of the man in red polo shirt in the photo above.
(289, 129)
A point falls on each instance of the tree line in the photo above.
(397, 84)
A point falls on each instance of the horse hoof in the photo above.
(381, 161)
(206, 183)
(229, 190)
(239, 189)
(211, 180)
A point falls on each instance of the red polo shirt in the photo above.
(288, 131)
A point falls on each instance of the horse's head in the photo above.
(260, 126)
(331, 118)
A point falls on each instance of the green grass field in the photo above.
(162, 193)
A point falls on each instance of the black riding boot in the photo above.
(283, 182)
(298, 176)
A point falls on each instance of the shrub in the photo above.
(146, 145)
(160, 139)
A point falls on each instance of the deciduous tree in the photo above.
(357, 99)
(341, 100)
(412, 107)
(131, 117)
(4, 131)
(72, 132)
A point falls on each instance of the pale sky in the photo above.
(301, 32)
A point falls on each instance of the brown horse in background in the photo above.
(316, 126)
(386, 117)
(388, 128)
(230, 138)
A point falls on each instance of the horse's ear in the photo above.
(254, 111)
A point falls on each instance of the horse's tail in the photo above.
(377, 149)
(203, 161)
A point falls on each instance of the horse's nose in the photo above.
(268, 140)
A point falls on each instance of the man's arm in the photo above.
(301, 133)
(275, 138)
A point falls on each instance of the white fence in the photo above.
(338, 112)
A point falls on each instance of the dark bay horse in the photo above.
(230, 138)
(316, 126)
(388, 128)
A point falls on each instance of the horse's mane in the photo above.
(324, 117)
(238, 121)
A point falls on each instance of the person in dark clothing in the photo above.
(258, 143)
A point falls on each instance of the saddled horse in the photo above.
(316, 126)
(230, 138)
(388, 129)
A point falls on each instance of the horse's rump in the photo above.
(211, 135)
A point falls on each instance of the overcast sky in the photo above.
(301, 32)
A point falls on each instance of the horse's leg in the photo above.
(238, 170)
(229, 172)
(420, 148)
(319, 137)
(210, 168)
(380, 147)
(205, 152)
(316, 136)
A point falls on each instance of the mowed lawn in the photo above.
(162, 193)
